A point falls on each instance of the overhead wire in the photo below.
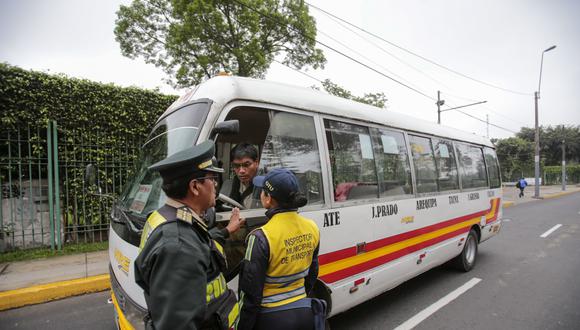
(366, 58)
(357, 61)
(481, 120)
(336, 51)
(484, 106)
(385, 51)
(299, 71)
(417, 55)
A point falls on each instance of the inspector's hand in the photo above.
(235, 221)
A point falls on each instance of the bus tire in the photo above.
(466, 260)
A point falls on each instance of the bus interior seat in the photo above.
(362, 191)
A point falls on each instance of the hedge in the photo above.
(32, 97)
(553, 174)
(97, 123)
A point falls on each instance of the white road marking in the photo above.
(544, 235)
(424, 314)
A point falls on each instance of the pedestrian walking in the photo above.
(281, 263)
(521, 184)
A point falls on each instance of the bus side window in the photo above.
(352, 161)
(473, 172)
(392, 162)
(424, 161)
(291, 143)
(448, 177)
(492, 167)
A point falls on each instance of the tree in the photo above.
(377, 99)
(551, 142)
(192, 40)
(515, 157)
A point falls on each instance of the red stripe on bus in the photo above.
(495, 209)
(359, 268)
(370, 246)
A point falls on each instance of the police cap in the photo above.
(198, 158)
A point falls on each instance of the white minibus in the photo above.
(393, 196)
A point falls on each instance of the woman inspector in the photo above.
(281, 262)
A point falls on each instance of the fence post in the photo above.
(50, 196)
(56, 186)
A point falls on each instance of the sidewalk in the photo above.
(510, 194)
(36, 281)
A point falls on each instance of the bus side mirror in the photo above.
(225, 127)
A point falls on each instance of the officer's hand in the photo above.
(235, 221)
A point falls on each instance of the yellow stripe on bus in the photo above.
(355, 260)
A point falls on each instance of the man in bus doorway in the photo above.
(244, 157)
(180, 266)
(281, 263)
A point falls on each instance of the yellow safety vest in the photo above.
(217, 286)
(292, 240)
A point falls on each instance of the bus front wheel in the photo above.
(466, 260)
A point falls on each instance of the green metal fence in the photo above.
(44, 199)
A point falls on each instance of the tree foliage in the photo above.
(377, 99)
(192, 40)
(516, 154)
(516, 157)
(551, 138)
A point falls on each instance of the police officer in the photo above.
(180, 266)
(281, 263)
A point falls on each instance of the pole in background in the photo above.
(563, 165)
(439, 103)
(537, 134)
(536, 152)
(487, 125)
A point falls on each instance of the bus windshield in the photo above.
(173, 133)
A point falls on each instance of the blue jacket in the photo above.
(523, 183)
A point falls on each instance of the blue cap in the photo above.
(278, 183)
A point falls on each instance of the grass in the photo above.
(20, 255)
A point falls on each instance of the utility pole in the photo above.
(563, 165)
(537, 135)
(487, 122)
(537, 153)
(439, 103)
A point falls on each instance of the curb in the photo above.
(52, 291)
(507, 204)
(563, 193)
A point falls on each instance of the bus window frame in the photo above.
(409, 161)
(255, 212)
(453, 191)
(366, 201)
(484, 163)
(487, 167)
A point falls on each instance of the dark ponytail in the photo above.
(297, 199)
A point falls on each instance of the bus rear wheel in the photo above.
(466, 260)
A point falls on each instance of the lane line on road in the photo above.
(424, 314)
(553, 229)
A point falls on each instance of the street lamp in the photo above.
(537, 135)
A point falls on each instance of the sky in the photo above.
(495, 42)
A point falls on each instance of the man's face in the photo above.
(206, 187)
(245, 169)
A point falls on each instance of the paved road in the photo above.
(527, 282)
(84, 312)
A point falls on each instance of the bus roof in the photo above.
(225, 89)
